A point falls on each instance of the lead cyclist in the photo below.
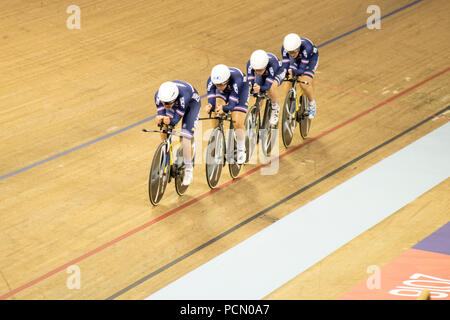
(301, 58)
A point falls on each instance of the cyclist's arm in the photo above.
(267, 84)
(302, 67)
(272, 66)
(307, 55)
(211, 93)
(178, 112)
(160, 110)
(233, 99)
(250, 75)
(285, 59)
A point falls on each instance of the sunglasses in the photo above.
(222, 84)
(168, 103)
(294, 52)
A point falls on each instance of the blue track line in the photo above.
(203, 96)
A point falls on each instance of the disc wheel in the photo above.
(233, 166)
(215, 155)
(288, 119)
(159, 175)
(267, 138)
(305, 121)
(251, 136)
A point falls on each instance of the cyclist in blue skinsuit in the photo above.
(176, 100)
(230, 85)
(301, 58)
(265, 74)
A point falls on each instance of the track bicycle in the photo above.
(258, 128)
(164, 167)
(219, 152)
(294, 110)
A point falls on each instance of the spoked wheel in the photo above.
(215, 155)
(288, 120)
(159, 174)
(267, 138)
(233, 166)
(305, 122)
(179, 168)
(251, 136)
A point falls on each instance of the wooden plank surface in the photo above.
(64, 88)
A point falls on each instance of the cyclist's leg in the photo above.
(308, 75)
(273, 91)
(286, 87)
(189, 124)
(307, 88)
(238, 114)
(190, 121)
(308, 91)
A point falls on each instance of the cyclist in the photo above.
(176, 100)
(230, 85)
(265, 74)
(301, 58)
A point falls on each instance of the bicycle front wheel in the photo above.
(215, 155)
(251, 127)
(288, 119)
(233, 166)
(159, 174)
(267, 138)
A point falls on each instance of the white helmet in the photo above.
(168, 91)
(220, 74)
(292, 42)
(259, 60)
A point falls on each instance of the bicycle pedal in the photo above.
(173, 171)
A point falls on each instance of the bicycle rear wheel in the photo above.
(215, 155)
(233, 166)
(159, 174)
(179, 173)
(252, 127)
(288, 120)
(305, 121)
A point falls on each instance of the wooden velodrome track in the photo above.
(73, 192)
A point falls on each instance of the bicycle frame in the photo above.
(228, 149)
(169, 146)
(258, 110)
(259, 97)
(294, 89)
(301, 111)
(221, 118)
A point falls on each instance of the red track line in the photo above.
(197, 199)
